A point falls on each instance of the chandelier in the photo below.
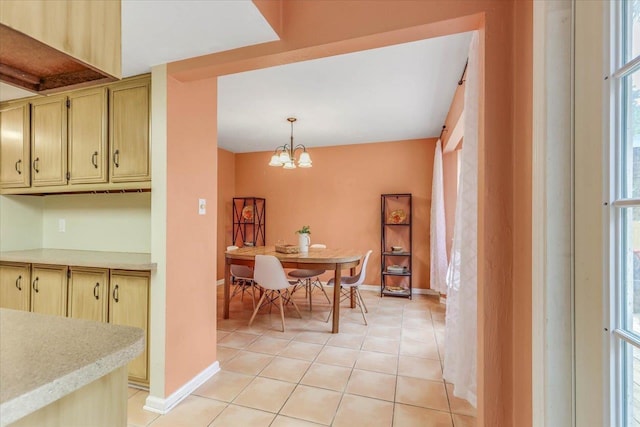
(284, 155)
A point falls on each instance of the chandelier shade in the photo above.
(284, 155)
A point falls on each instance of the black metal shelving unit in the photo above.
(248, 221)
(396, 230)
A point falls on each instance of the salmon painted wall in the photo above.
(339, 197)
(226, 192)
(272, 12)
(191, 238)
(522, 208)
(313, 29)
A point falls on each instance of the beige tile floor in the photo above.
(385, 374)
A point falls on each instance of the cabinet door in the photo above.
(129, 131)
(15, 169)
(129, 305)
(88, 293)
(49, 141)
(88, 136)
(49, 289)
(14, 286)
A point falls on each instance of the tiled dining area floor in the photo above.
(388, 373)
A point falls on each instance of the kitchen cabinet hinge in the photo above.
(68, 103)
(68, 176)
(68, 274)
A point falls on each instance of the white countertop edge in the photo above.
(40, 397)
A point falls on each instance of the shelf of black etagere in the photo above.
(395, 221)
(403, 293)
(248, 218)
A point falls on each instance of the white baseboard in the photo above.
(163, 406)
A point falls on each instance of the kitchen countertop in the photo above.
(43, 358)
(97, 259)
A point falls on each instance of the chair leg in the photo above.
(310, 292)
(255, 311)
(362, 306)
(324, 292)
(281, 309)
(294, 304)
(253, 295)
(362, 300)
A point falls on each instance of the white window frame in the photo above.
(613, 216)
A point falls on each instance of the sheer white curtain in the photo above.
(438, 246)
(461, 319)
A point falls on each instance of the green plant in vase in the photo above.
(304, 230)
(304, 241)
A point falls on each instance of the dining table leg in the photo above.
(227, 287)
(336, 299)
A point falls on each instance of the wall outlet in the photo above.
(202, 206)
(62, 225)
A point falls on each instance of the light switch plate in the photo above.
(202, 206)
(62, 225)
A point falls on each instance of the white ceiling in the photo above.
(161, 31)
(387, 94)
(8, 92)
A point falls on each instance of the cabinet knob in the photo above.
(19, 283)
(94, 159)
(95, 290)
(17, 168)
(34, 285)
(116, 158)
(35, 165)
(115, 294)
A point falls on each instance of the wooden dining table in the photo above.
(316, 259)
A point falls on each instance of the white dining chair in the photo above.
(352, 282)
(309, 279)
(270, 276)
(242, 279)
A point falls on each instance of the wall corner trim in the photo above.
(163, 406)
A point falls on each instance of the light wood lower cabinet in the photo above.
(88, 293)
(120, 297)
(49, 289)
(129, 306)
(15, 281)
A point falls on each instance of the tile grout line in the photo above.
(367, 333)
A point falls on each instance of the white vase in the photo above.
(303, 242)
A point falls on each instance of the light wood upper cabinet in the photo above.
(55, 45)
(129, 305)
(49, 141)
(15, 281)
(15, 169)
(88, 293)
(49, 289)
(129, 131)
(88, 136)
